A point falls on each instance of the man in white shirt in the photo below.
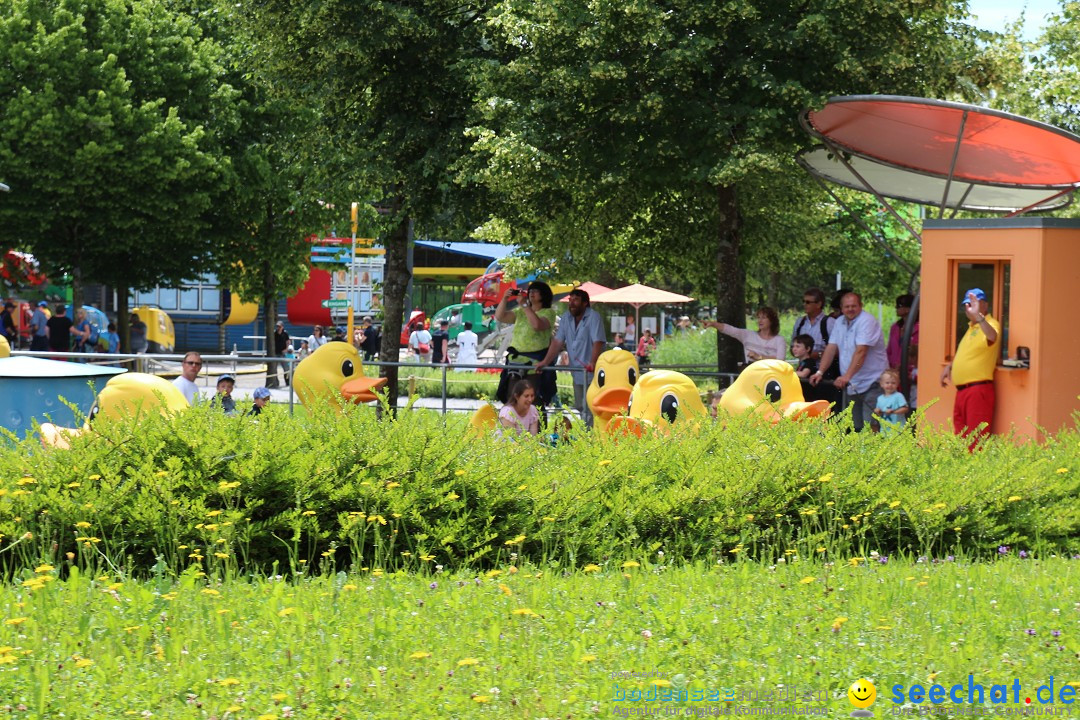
(188, 372)
(857, 337)
(581, 334)
(420, 342)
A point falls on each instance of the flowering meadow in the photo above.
(518, 641)
(334, 565)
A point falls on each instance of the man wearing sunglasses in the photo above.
(188, 372)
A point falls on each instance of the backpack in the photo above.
(92, 341)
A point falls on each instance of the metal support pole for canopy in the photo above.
(866, 227)
(963, 199)
(872, 190)
(952, 163)
(1023, 210)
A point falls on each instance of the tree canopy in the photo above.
(104, 138)
(638, 132)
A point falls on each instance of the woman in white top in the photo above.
(317, 339)
(765, 344)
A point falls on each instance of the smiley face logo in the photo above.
(862, 695)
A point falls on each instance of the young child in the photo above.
(801, 347)
(260, 399)
(519, 414)
(225, 385)
(892, 408)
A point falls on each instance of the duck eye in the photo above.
(347, 368)
(601, 378)
(669, 407)
(632, 376)
(772, 391)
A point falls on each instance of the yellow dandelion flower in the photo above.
(213, 513)
(807, 580)
(821, 549)
(661, 682)
(481, 698)
(268, 716)
(94, 477)
(234, 708)
(279, 697)
(883, 627)
(1062, 471)
(20, 493)
(210, 591)
(548, 518)
(82, 524)
(1014, 498)
(505, 590)
(74, 485)
(493, 573)
(43, 568)
(525, 611)
(161, 473)
(452, 496)
(419, 655)
(350, 586)
(459, 473)
(308, 512)
(894, 503)
(26, 481)
(283, 612)
(83, 662)
(940, 505)
(16, 621)
(221, 555)
(910, 577)
(809, 511)
(630, 564)
(515, 541)
(228, 681)
(6, 659)
(921, 584)
(590, 568)
(391, 485)
(223, 611)
(227, 485)
(467, 661)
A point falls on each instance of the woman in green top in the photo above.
(534, 326)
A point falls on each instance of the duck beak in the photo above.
(362, 389)
(622, 425)
(612, 401)
(800, 410)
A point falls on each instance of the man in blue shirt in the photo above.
(581, 333)
(39, 328)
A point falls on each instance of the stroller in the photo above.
(520, 367)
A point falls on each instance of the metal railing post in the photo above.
(444, 390)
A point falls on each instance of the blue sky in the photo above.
(995, 14)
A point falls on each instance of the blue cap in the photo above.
(228, 377)
(42, 303)
(977, 292)
(260, 393)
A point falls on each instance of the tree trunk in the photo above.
(730, 278)
(123, 326)
(269, 305)
(395, 283)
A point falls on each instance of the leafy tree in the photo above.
(103, 136)
(639, 133)
(394, 87)
(273, 197)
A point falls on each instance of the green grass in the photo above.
(532, 643)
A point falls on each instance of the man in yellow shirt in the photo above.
(972, 369)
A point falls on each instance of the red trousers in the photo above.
(974, 407)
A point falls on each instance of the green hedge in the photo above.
(334, 491)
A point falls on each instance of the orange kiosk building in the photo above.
(1029, 268)
(963, 157)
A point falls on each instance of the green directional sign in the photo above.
(335, 303)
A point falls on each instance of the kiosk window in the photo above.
(994, 278)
